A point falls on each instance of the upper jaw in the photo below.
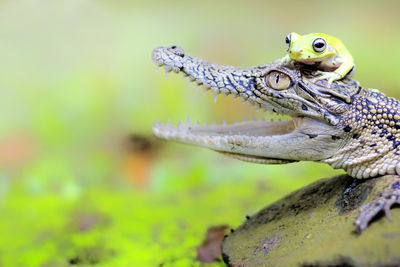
(304, 138)
(227, 80)
(299, 99)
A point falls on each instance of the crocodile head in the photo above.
(326, 125)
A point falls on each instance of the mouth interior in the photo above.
(246, 128)
(214, 136)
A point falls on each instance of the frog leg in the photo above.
(382, 203)
(329, 76)
(285, 60)
(346, 63)
(351, 72)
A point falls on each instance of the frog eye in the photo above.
(278, 80)
(287, 39)
(319, 45)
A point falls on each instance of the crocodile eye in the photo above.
(278, 80)
(319, 45)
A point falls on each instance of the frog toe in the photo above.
(323, 76)
(331, 80)
(329, 76)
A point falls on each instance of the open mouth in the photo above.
(259, 141)
(245, 140)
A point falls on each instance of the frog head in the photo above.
(310, 48)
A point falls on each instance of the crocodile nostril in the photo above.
(177, 50)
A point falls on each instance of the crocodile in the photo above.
(345, 125)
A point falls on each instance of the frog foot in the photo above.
(329, 76)
(382, 203)
(285, 60)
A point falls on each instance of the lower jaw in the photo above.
(222, 138)
(257, 159)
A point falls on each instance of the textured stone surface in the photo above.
(314, 227)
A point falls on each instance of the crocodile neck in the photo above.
(371, 145)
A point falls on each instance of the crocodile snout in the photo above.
(177, 50)
(172, 58)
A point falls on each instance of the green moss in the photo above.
(309, 226)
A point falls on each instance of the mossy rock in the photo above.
(314, 227)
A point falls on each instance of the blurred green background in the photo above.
(82, 180)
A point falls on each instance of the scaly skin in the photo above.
(346, 126)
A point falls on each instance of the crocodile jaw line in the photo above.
(247, 140)
(275, 142)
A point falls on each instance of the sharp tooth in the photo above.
(244, 119)
(166, 135)
(188, 121)
(225, 92)
(166, 74)
(205, 123)
(158, 68)
(215, 99)
(224, 123)
(214, 124)
(197, 88)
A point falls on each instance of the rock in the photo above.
(314, 227)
